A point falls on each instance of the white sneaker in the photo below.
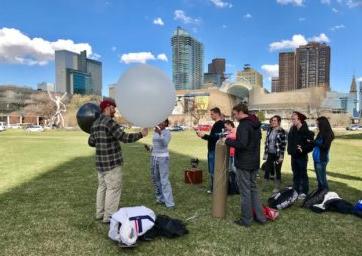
(301, 196)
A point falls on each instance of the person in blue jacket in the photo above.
(322, 145)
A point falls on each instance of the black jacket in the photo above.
(303, 137)
(214, 135)
(247, 143)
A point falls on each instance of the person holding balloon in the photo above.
(105, 136)
(160, 165)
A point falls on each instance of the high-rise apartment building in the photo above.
(275, 84)
(286, 71)
(187, 60)
(76, 74)
(216, 73)
(251, 75)
(313, 65)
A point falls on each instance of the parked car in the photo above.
(2, 126)
(176, 128)
(35, 128)
(265, 126)
(354, 127)
(204, 127)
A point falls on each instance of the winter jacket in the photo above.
(247, 143)
(280, 143)
(214, 135)
(321, 150)
(303, 137)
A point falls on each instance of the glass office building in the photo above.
(187, 61)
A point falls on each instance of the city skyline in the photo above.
(120, 33)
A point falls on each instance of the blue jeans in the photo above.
(211, 166)
(159, 174)
(300, 175)
(321, 172)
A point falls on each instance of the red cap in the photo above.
(106, 103)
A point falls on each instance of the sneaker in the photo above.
(209, 191)
(301, 196)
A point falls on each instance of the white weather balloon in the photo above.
(145, 96)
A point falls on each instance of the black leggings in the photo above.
(271, 167)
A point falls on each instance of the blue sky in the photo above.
(120, 33)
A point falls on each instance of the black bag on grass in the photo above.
(283, 199)
(232, 184)
(166, 227)
(315, 197)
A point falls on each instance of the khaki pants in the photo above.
(108, 193)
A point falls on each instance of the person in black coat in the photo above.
(212, 138)
(300, 143)
(247, 162)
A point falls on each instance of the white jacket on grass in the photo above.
(128, 223)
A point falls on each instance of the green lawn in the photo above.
(47, 197)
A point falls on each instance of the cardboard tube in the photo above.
(220, 180)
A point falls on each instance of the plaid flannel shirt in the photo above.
(280, 143)
(105, 136)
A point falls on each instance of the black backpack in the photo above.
(315, 197)
(166, 227)
(283, 199)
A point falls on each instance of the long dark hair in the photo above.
(325, 130)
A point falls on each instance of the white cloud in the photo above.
(301, 19)
(141, 57)
(180, 15)
(247, 16)
(221, 4)
(95, 56)
(326, 1)
(272, 70)
(137, 57)
(18, 48)
(296, 41)
(293, 2)
(162, 57)
(337, 27)
(158, 21)
(335, 10)
(354, 3)
(359, 79)
(322, 38)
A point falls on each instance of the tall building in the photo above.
(76, 74)
(313, 65)
(250, 74)
(187, 60)
(275, 84)
(216, 73)
(44, 86)
(286, 71)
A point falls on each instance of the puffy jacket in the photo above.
(247, 143)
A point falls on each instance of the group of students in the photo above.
(244, 143)
(300, 141)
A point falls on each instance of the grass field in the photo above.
(47, 197)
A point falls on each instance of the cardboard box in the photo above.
(193, 176)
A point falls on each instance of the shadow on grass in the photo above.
(354, 136)
(54, 215)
